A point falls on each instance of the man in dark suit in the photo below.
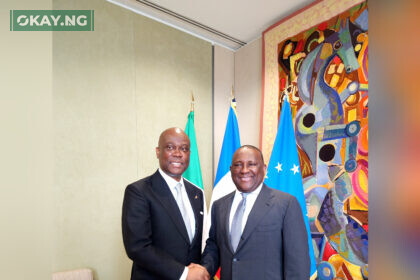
(162, 216)
(256, 232)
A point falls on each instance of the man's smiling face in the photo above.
(173, 152)
(247, 169)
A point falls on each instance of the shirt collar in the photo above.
(169, 180)
(256, 192)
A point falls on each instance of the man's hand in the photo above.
(197, 272)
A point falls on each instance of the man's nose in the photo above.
(245, 168)
(177, 152)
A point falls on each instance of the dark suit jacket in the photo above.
(154, 233)
(273, 245)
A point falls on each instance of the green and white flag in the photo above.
(193, 172)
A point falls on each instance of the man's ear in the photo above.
(157, 152)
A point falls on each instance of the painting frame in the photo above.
(317, 58)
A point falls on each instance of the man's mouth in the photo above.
(245, 179)
(176, 164)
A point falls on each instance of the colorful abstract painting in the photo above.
(318, 58)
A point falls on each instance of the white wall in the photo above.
(224, 78)
(115, 90)
(248, 67)
(242, 69)
(25, 149)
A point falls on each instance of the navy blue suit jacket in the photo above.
(273, 245)
(154, 233)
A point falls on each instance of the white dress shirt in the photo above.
(172, 183)
(250, 200)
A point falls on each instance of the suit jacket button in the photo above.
(235, 259)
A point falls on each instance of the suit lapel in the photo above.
(164, 195)
(196, 204)
(258, 211)
(225, 212)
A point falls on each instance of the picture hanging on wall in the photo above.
(318, 59)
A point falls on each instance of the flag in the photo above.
(283, 172)
(223, 183)
(193, 172)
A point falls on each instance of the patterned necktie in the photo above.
(184, 213)
(236, 228)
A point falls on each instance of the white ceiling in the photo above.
(244, 20)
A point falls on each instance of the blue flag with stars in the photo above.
(283, 172)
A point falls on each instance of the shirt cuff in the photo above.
(184, 274)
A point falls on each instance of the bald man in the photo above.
(162, 216)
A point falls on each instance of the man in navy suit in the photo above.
(162, 217)
(256, 232)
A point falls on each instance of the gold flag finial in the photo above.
(192, 101)
(287, 93)
(232, 100)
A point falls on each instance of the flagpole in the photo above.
(232, 95)
(192, 102)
